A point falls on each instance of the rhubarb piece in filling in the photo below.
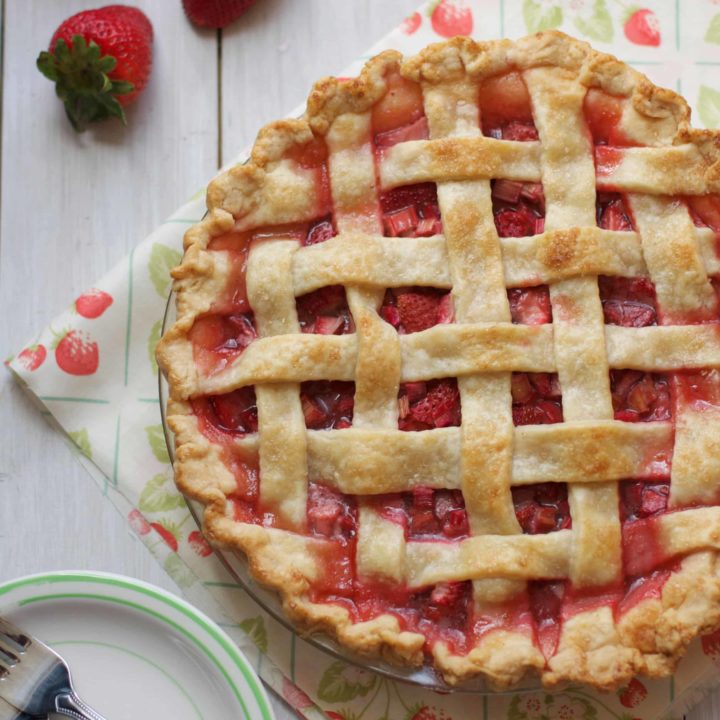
(411, 211)
(518, 208)
(325, 312)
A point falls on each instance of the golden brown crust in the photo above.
(271, 189)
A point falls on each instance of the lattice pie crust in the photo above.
(659, 170)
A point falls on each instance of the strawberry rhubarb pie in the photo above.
(446, 365)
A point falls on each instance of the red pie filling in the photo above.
(629, 302)
(325, 312)
(542, 508)
(233, 414)
(327, 404)
(530, 306)
(445, 612)
(411, 211)
(612, 212)
(319, 231)
(218, 339)
(536, 399)
(505, 109)
(428, 405)
(414, 309)
(639, 396)
(705, 211)
(518, 208)
(603, 113)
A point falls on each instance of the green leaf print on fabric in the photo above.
(539, 16)
(156, 438)
(81, 439)
(713, 32)
(341, 682)
(709, 106)
(178, 571)
(255, 629)
(155, 498)
(162, 260)
(599, 26)
(153, 340)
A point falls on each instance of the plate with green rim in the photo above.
(136, 651)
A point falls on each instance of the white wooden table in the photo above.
(73, 206)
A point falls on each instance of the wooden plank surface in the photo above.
(73, 206)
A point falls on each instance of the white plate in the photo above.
(136, 651)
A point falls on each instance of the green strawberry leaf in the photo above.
(162, 260)
(155, 498)
(539, 18)
(628, 12)
(255, 628)
(341, 682)
(178, 571)
(156, 438)
(153, 340)
(713, 32)
(599, 26)
(709, 106)
(81, 439)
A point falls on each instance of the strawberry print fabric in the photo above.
(93, 369)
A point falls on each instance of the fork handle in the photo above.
(72, 706)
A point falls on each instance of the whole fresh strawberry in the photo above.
(642, 27)
(100, 60)
(215, 13)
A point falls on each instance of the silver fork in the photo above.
(35, 679)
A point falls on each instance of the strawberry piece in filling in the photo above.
(536, 399)
(518, 208)
(639, 396)
(233, 413)
(411, 211)
(629, 302)
(325, 312)
(542, 508)
(425, 513)
(218, 339)
(327, 404)
(319, 231)
(414, 309)
(331, 514)
(530, 306)
(612, 212)
(640, 500)
(428, 405)
(505, 108)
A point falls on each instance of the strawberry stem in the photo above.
(80, 74)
